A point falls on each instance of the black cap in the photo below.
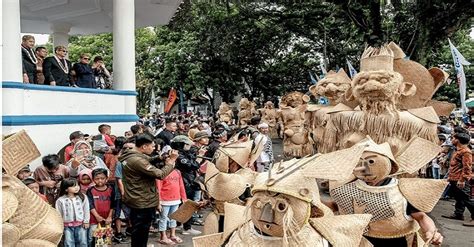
(75, 135)
(29, 180)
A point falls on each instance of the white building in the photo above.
(50, 114)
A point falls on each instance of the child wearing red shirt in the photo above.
(101, 201)
(172, 193)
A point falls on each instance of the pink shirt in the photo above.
(172, 187)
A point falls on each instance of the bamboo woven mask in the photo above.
(333, 86)
(278, 214)
(373, 168)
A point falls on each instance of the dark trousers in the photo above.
(463, 199)
(141, 219)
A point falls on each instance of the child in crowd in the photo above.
(49, 176)
(101, 201)
(74, 209)
(103, 143)
(85, 180)
(172, 193)
(31, 183)
(24, 173)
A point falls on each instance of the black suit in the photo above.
(29, 67)
(53, 72)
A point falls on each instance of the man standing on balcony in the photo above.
(41, 54)
(57, 69)
(84, 73)
(29, 59)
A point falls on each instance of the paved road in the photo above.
(456, 235)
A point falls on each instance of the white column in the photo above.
(124, 44)
(11, 41)
(60, 34)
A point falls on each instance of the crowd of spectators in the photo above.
(57, 70)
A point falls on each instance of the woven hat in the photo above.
(10, 204)
(18, 150)
(432, 191)
(337, 165)
(211, 224)
(374, 59)
(10, 234)
(185, 211)
(426, 113)
(199, 135)
(51, 228)
(288, 178)
(182, 138)
(442, 108)
(342, 230)
(237, 151)
(397, 51)
(416, 153)
(235, 217)
(34, 242)
(192, 133)
(224, 186)
(31, 209)
(382, 149)
(211, 240)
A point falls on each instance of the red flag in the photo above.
(171, 100)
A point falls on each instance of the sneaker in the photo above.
(469, 223)
(453, 217)
(191, 232)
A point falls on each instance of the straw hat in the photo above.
(382, 149)
(235, 217)
(416, 153)
(10, 234)
(18, 150)
(185, 211)
(192, 133)
(10, 204)
(212, 240)
(34, 242)
(442, 108)
(342, 230)
(31, 211)
(336, 165)
(432, 191)
(237, 151)
(50, 229)
(224, 186)
(426, 113)
(397, 51)
(211, 224)
(374, 59)
(257, 150)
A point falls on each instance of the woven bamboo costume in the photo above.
(225, 114)
(269, 116)
(388, 203)
(27, 220)
(295, 125)
(286, 210)
(379, 90)
(246, 112)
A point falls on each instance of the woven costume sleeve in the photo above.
(432, 190)
(466, 167)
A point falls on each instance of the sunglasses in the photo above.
(85, 58)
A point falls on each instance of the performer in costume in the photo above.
(246, 112)
(269, 116)
(398, 206)
(225, 113)
(286, 210)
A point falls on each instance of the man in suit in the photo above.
(57, 69)
(28, 58)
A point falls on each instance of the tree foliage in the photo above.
(266, 49)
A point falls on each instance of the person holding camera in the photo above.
(101, 74)
(140, 193)
(83, 158)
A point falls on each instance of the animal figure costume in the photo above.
(27, 220)
(269, 116)
(333, 87)
(388, 202)
(286, 210)
(247, 111)
(379, 89)
(225, 113)
(295, 125)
